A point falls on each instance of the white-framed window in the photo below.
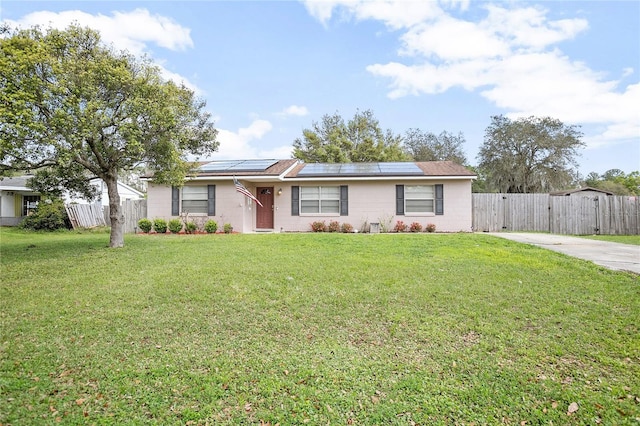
(419, 199)
(195, 199)
(29, 204)
(319, 199)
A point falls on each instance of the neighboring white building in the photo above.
(126, 193)
(17, 200)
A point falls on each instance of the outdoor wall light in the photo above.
(280, 191)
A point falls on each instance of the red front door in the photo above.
(264, 214)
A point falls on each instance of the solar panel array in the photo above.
(238, 166)
(361, 169)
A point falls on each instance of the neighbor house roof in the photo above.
(16, 183)
(578, 190)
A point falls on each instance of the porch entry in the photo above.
(264, 214)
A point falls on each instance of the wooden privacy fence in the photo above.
(92, 215)
(85, 215)
(133, 211)
(577, 215)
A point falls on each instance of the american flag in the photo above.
(241, 189)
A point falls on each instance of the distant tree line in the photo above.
(616, 181)
(526, 155)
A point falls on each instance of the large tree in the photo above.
(72, 109)
(427, 146)
(529, 154)
(359, 140)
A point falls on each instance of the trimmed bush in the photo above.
(49, 215)
(145, 225)
(430, 227)
(415, 227)
(160, 226)
(346, 228)
(211, 226)
(400, 227)
(227, 228)
(190, 227)
(175, 226)
(319, 226)
(334, 226)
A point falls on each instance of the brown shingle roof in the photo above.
(444, 168)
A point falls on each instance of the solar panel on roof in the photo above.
(238, 166)
(217, 166)
(367, 169)
(320, 169)
(360, 169)
(400, 168)
(252, 165)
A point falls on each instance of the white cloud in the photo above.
(245, 143)
(296, 110)
(133, 31)
(126, 30)
(395, 13)
(510, 57)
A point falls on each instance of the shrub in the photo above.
(346, 228)
(415, 227)
(318, 226)
(227, 228)
(211, 226)
(160, 226)
(400, 227)
(175, 226)
(190, 227)
(334, 226)
(49, 215)
(145, 225)
(430, 227)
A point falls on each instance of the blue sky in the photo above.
(269, 69)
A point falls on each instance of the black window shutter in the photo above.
(400, 199)
(175, 201)
(344, 200)
(295, 201)
(439, 199)
(211, 200)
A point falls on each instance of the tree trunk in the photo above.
(116, 238)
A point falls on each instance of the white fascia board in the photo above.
(16, 189)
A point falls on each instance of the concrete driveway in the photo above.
(616, 256)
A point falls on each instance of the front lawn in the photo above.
(312, 329)
(624, 239)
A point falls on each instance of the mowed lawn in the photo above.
(312, 329)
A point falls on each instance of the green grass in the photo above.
(312, 329)
(624, 239)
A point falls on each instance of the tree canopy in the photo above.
(427, 146)
(332, 140)
(72, 109)
(529, 154)
(616, 181)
